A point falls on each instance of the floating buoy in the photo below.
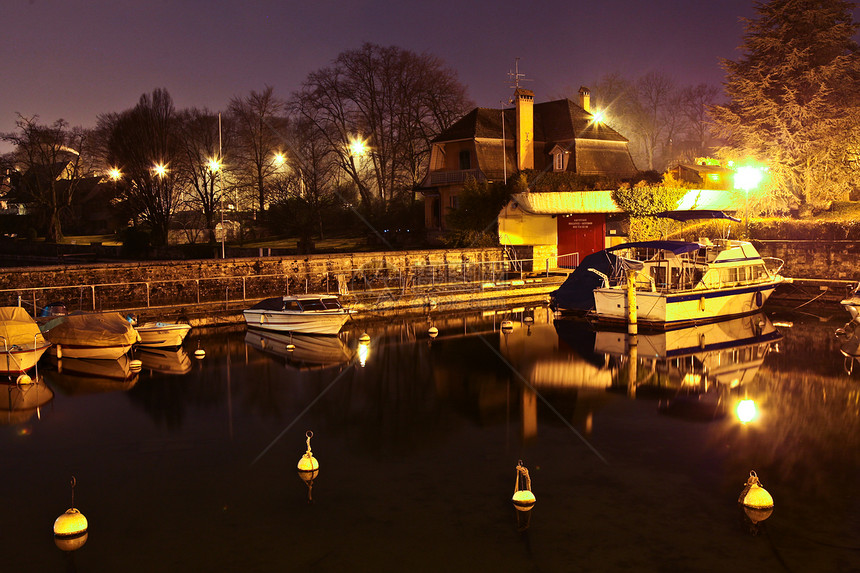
(529, 320)
(199, 353)
(433, 332)
(523, 497)
(70, 528)
(291, 347)
(23, 380)
(754, 495)
(308, 463)
(507, 325)
(135, 364)
(364, 338)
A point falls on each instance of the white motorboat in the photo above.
(90, 335)
(23, 342)
(307, 314)
(164, 360)
(677, 283)
(162, 334)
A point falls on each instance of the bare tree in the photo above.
(53, 159)
(201, 146)
(378, 107)
(694, 104)
(144, 145)
(654, 112)
(260, 135)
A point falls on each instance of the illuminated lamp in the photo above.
(746, 411)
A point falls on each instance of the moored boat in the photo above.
(677, 283)
(23, 342)
(308, 314)
(162, 334)
(301, 351)
(90, 335)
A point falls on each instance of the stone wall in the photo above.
(815, 259)
(145, 284)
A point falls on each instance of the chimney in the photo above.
(524, 100)
(585, 99)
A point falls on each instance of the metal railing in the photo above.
(373, 276)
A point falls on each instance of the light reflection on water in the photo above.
(635, 457)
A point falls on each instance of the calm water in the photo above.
(635, 457)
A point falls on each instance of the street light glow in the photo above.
(214, 165)
(159, 169)
(279, 159)
(115, 174)
(748, 177)
(599, 116)
(357, 147)
(746, 411)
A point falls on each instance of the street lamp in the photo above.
(215, 167)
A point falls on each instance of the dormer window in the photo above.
(559, 158)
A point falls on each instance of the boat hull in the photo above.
(95, 352)
(680, 309)
(21, 359)
(162, 335)
(316, 322)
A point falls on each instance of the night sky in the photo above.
(76, 59)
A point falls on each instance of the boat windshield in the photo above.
(321, 304)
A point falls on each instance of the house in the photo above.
(704, 174)
(494, 144)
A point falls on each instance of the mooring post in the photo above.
(631, 306)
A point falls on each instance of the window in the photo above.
(453, 201)
(558, 161)
(465, 160)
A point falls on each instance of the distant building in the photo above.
(496, 144)
(704, 175)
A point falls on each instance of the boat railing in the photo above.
(773, 265)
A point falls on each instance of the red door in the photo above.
(579, 235)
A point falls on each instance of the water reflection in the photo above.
(418, 448)
(20, 402)
(91, 376)
(164, 360)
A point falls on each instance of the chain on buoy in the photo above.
(308, 463)
(70, 528)
(523, 497)
(757, 502)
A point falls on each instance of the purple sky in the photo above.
(75, 59)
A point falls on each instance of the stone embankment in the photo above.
(215, 291)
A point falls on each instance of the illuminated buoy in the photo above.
(70, 524)
(433, 332)
(70, 529)
(757, 502)
(24, 379)
(199, 353)
(364, 338)
(507, 325)
(308, 463)
(528, 320)
(135, 364)
(291, 347)
(523, 497)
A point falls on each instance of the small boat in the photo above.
(677, 283)
(23, 342)
(90, 335)
(162, 334)
(851, 303)
(307, 314)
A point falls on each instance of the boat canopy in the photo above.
(18, 328)
(676, 247)
(694, 215)
(576, 293)
(96, 329)
(276, 303)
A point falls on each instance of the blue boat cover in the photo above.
(576, 293)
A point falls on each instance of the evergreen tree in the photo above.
(794, 96)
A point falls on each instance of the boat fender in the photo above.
(758, 298)
(262, 318)
(702, 303)
(702, 340)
